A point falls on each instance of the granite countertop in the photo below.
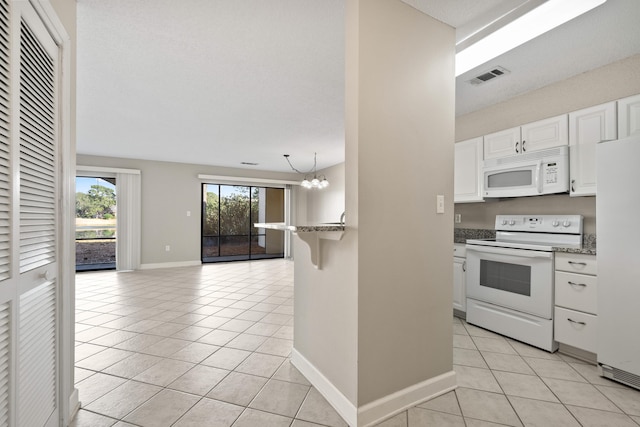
(319, 227)
(588, 246)
(460, 235)
(300, 228)
(583, 250)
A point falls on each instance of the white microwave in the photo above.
(527, 174)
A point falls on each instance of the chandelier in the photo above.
(317, 183)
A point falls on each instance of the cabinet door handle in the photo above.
(577, 284)
(464, 266)
(523, 149)
(517, 143)
(573, 189)
(576, 322)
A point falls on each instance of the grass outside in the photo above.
(94, 250)
(95, 222)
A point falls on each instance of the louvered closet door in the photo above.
(35, 209)
(6, 288)
(28, 213)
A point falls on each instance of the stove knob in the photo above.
(555, 223)
(512, 222)
(504, 222)
(566, 223)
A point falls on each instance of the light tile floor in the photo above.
(209, 346)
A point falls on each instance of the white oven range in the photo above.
(510, 279)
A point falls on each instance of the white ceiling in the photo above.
(221, 82)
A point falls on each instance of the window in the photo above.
(228, 215)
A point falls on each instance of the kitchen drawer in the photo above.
(577, 291)
(576, 263)
(459, 250)
(576, 329)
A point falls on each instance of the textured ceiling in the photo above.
(466, 15)
(601, 36)
(212, 81)
(222, 82)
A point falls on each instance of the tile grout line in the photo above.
(564, 405)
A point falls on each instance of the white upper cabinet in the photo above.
(502, 144)
(587, 127)
(629, 116)
(468, 171)
(547, 133)
(540, 135)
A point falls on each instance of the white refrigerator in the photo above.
(618, 257)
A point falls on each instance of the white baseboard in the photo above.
(170, 265)
(388, 406)
(339, 401)
(74, 404)
(381, 409)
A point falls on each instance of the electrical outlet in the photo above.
(167, 248)
(458, 218)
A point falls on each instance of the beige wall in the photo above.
(405, 122)
(274, 207)
(608, 83)
(483, 215)
(328, 204)
(169, 190)
(376, 319)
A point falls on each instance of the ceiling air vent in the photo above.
(489, 75)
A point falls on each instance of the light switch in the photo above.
(188, 213)
(440, 203)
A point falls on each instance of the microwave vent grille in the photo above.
(534, 155)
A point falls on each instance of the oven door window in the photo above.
(514, 278)
(514, 178)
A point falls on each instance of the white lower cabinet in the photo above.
(459, 278)
(576, 303)
(576, 329)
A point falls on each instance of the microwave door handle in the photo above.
(539, 176)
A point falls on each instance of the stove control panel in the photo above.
(567, 224)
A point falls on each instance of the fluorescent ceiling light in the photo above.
(545, 17)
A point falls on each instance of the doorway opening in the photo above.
(96, 223)
(228, 215)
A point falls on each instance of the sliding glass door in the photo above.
(228, 215)
(95, 223)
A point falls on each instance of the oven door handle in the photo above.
(522, 253)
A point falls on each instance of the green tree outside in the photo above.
(98, 202)
(230, 213)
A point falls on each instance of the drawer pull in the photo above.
(577, 263)
(574, 321)
(577, 284)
